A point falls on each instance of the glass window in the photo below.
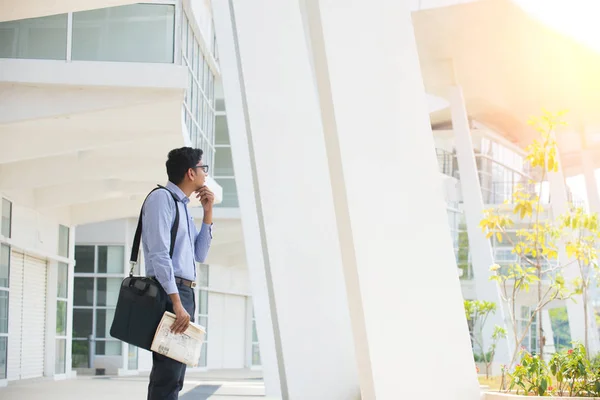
(203, 302)
(104, 320)
(3, 354)
(203, 275)
(220, 105)
(111, 259)
(84, 259)
(61, 356)
(3, 311)
(108, 348)
(203, 322)
(223, 162)
(62, 281)
(80, 353)
(108, 291)
(61, 318)
(132, 357)
(132, 33)
(35, 38)
(82, 323)
(230, 197)
(63, 241)
(6, 218)
(4, 265)
(84, 292)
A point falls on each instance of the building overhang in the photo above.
(23, 9)
(510, 67)
(89, 139)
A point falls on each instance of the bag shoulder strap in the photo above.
(138, 232)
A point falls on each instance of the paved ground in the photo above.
(199, 386)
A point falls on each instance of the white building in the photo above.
(324, 165)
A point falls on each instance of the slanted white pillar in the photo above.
(479, 246)
(399, 264)
(285, 199)
(560, 205)
(591, 184)
(593, 198)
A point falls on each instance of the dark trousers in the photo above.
(166, 378)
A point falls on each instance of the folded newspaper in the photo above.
(184, 347)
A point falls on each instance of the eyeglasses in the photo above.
(204, 168)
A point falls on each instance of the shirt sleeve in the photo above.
(157, 220)
(203, 241)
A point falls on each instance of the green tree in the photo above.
(536, 245)
(560, 327)
(477, 313)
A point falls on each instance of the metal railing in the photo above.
(447, 162)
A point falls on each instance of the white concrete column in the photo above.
(559, 203)
(272, 366)
(479, 246)
(403, 290)
(285, 201)
(593, 198)
(591, 184)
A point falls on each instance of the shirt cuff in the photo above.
(170, 287)
(209, 227)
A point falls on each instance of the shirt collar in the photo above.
(177, 192)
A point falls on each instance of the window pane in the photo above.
(63, 241)
(255, 354)
(254, 334)
(84, 292)
(108, 291)
(61, 318)
(3, 354)
(6, 218)
(132, 357)
(203, 302)
(35, 38)
(134, 33)
(3, 311)
(80, 353)
(4, 265)
(223, 162)
(220, 105)
(230, 197)
(203, 275)
(203, 355)
(84, 259)
(62, 280)
(104, 320)
(203, 322)
(61, 356)
(111, 259)
(108, 348)
(82, 323)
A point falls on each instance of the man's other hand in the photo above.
(182, 319)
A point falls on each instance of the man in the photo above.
(177, 275)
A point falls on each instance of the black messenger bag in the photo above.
(142, 300)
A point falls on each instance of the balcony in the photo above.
(447, 163)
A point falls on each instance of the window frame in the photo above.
(4, 201)
(95, 307)
(4, 374)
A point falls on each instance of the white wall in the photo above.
(109, 232)
(33, 231)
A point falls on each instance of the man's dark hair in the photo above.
(180, 160)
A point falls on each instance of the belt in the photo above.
(185, 282)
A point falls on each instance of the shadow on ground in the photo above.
(202, 392)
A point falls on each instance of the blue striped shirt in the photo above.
(158, 216)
